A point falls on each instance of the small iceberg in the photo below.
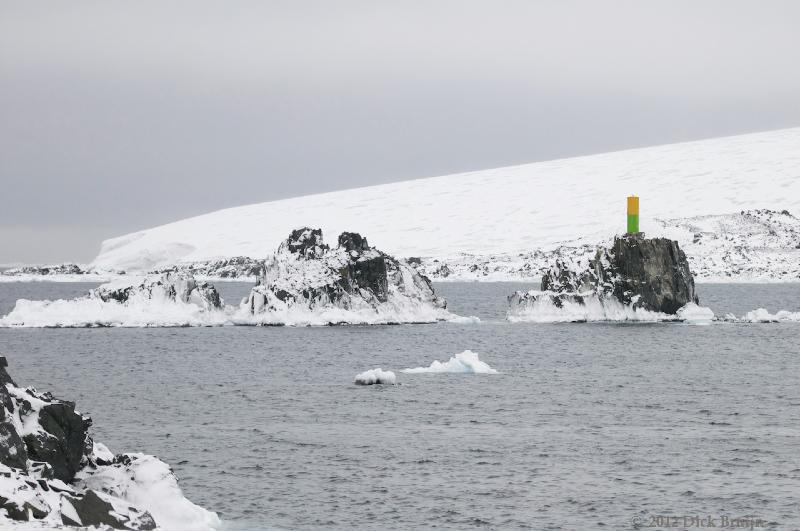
(762, 315)
(376, 376)
(466, 362)
(694, 314)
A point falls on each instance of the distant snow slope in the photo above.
(499, 211)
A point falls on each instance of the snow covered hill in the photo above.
(532, 208)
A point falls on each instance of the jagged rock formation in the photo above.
(307, 282)
(51, 470)
(636, 273)
(172, 286)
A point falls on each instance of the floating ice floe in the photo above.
(761, 315)
(463, 362)
(376, 376)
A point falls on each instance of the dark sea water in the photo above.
(588, 425)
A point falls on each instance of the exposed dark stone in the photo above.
(94, 511)
(63, 444)
(652, 274)
(306, 242)
(654, 269)
(25, 512)
(352, 241)
(12, 448)
(367, 273)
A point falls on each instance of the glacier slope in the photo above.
(500, 211)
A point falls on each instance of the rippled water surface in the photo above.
(587, 425)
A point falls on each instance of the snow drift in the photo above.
(463, 362)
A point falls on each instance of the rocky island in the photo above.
(635, 279)
(308, 282)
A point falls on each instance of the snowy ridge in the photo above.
(499, 212)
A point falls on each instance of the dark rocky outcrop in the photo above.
(650, 274)
(305, 274)
(63, 439)
(48, 460)
(306, 242)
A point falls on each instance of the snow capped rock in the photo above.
(52, 472)
(635, 279)
(308, 283)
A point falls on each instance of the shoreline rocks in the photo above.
(52, 471)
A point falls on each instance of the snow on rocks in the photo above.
(637, 279)
(170, 299)
(52, 473)
(304, 283)
(308, 283)
(463, 362)
(375, 376)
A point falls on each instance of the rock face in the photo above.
(307, 280)
(51, 469)
(640, 273)
(173, 286)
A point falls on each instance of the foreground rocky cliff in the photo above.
(51, 471)
(308, 282)
(636, 278)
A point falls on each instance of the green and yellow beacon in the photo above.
(633, 216)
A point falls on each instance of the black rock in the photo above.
(306, 242)
(64, 440)
(655, 270)
(12, 449)
(352, 241)
(25, 512)
(94, 511)
(652, 274)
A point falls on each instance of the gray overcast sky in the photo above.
(117, 116)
